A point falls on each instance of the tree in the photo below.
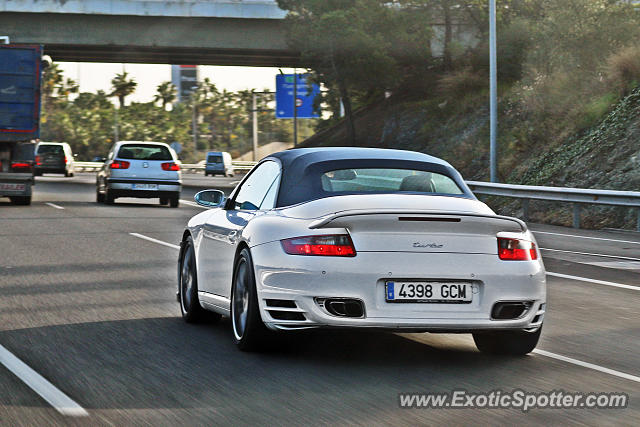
(166, 94)
(351, 45)
(67, 87)
(122, 87)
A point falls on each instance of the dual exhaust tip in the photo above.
(342, 307)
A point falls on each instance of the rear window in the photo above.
(214, 158)
(50, 149)
(144, 152)
(372, 180)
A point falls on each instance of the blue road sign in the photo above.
(304, 99)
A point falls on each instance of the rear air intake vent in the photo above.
(509, 310)
(427, 219)
(286, 315)
(283, 303)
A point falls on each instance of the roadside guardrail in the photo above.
(186, 167)
(577, 196)
(87, 166)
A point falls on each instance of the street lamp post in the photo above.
(295, 107)
(115, 124)
(254, 115)
(493, 89)
(194, 118)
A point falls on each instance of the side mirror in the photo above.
(210, 198)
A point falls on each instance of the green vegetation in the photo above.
(568, 113)
(90, 122)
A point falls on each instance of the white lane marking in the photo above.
(53, 205)
(587, 365)
(151, 239)
(234, 183)
(591, 254)
(618, 265)
(190, 203)
(599, 282)
(586, 237)
(60, 401)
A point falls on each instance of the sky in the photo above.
(95, 76)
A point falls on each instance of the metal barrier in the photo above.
(577, 196)
(87, 166)
(186, 167)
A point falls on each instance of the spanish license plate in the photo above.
(434, 292)
(144, 186)
(12, 187)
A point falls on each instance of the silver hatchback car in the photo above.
(140, 169)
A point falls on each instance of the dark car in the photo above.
(53, 157)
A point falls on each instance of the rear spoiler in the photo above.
(325, 220)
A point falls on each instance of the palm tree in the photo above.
(67, 87)
(166, 94)
(122, 87)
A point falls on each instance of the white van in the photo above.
(218, 163)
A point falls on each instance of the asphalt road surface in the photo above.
(91, 309)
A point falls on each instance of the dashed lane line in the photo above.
(596, 281)
(53, 205)
(60, 401)
(587, 365)
(631, 242)
(151, 239)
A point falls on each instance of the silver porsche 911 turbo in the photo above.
(361, 238)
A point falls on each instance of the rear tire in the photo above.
(164, 200)
(20, 200)
(249, 331)
(192, 311)
(109, 199)
(510, 343)
(174, 201)
(99, 196)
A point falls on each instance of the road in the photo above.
(91, 308)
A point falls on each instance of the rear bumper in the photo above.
(50, 169)
(215, 171)
(15, 184)
(121, 187)
(302, 280)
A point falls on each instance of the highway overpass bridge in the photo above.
(215, 32)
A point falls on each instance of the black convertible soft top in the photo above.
(302, 168)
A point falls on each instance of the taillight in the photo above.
(66, 160)
(21, 166)
(119, 164)
(324, 245)
(38, 160)
(516, 250)
(170, 166)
